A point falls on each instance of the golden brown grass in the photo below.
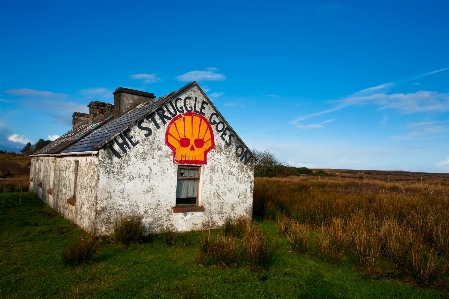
(370, 222)
(240, 241)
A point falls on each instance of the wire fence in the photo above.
(11, 192)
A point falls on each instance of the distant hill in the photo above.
(7, 148)
(386, 175)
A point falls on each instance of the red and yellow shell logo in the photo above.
(190, 137)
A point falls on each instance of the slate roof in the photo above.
(88, 138)
(71, 137)
(99, 137)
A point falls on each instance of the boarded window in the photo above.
(187, 187)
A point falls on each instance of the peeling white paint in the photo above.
(143, 183)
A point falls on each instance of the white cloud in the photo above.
(52, 137)
(443, 163)
(427, 128)
(375, 89)
(146, 78)
(19, 138)
(209, 75)
(311, 126)
(215, 95)
(26, 92)
(421, 101)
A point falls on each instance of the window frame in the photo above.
(193, 207)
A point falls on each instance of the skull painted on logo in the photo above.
(190, 137)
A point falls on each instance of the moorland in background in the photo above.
(321, 234)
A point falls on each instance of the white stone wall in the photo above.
(143, 180)
(53, 181)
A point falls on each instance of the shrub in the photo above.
(221, 251)
(332, 241)
(284, 224)
(397, 241)
(424, 265)
(128, 230)
(256, 248)
(299, 236)
(236, 228)
(365, 242)
(80, 252)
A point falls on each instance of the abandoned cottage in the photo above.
(174, 161)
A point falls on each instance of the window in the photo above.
(187, 187)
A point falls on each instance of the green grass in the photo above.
(33, 237)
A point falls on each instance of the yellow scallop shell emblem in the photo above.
(190, 137)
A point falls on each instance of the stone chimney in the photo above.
(79, 119)
(99, 110)
(127, 99)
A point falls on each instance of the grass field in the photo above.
(33, 238)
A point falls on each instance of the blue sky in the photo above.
(321, 84)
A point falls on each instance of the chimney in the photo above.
(79, 119)
(127, 99)
(99, 110)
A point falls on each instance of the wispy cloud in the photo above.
(443, 163)
(19, 138)
(308, 116)
(311, 126)
(420, 101)
(52, 137)
(419, 76)
(374, 90)
(427, 128)
(208, 75)
(215, 95)
(26, 92)
(146, 78)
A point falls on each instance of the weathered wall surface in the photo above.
(53, 180)
(141, 180)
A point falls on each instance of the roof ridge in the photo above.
(157, 103)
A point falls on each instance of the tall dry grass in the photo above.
(370, 222)
(241, 241)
